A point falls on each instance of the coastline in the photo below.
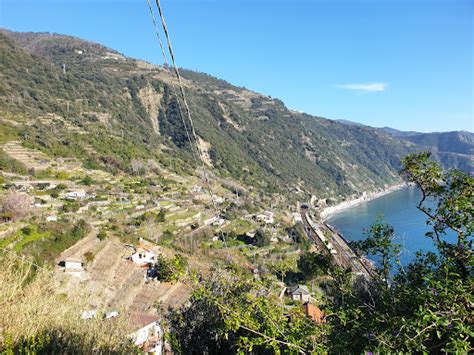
(327, 212)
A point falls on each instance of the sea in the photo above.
(397, 208)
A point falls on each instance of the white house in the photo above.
(266, 217)
(74, 195)
(143, 257)
(51, 219)
(149, 335)
(111, 314)
(218, 222)
(73, 267)
(299, 293)
(89, 314)
(296, 217)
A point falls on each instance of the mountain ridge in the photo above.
(245, 135)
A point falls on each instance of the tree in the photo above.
(427, 306)
(16, 205)
(227, 315)
(261, 238)
(380, 243)
(170, 269)
(453, 190)
(314, 264)
(298, 234)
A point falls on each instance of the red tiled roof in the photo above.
(140, 320)
(314, 313)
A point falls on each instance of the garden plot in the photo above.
(32, 159)
(114, 282)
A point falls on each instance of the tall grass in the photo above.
(34, 318)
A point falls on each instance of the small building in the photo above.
(111, 314)
(75, 195)
(218, 222)
(72, 266)
(299, 293)
(51, 219)
(266, 217)
(143, 258)
(149, 334)
(297, 217)
(314, 313)
(89, 314)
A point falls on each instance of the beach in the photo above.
(326, 212)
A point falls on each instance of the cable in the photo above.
(155, 27)
(188, 111)
(186, 106)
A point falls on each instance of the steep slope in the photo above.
(128, 111)
(452, 149)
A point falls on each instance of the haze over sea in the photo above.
(399, 210)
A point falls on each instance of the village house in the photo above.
(299, 293)
(149, 334)
(51, 218)
(89, 314)
(72, 266)
(266, 217)
(75, 195)
(143, 258)
(297, 217)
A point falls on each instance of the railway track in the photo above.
(333, 244)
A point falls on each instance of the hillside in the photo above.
(245, 135)
(112, 238)
(453, 149)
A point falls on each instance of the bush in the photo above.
(26, 230)
(87, 181)
(167, 269)
(261, 238)
(89, 256)
(102, 235)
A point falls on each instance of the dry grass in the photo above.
(32, 312)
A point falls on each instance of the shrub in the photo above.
(89, 256)
(87, 181)
(102, 235)
(26, 230)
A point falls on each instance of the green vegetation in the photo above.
(170, 269)
(425, 307)
(261, 238)
(226, 316)
(10, 165)
(47, 241)
(264, 145)
(313, 265)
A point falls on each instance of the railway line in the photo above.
(333, 244)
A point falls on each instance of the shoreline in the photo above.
(327, 212)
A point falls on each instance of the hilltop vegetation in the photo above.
(247, 136)
(97, 170)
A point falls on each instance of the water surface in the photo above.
(399, 210)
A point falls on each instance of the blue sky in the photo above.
(406, 64)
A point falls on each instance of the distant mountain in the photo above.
(351, 123)
(399, 134)
(452, 149)
(125, 110)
